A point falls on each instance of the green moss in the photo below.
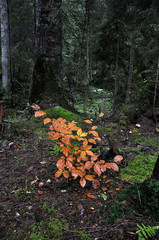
(130, 150)
(150, 141)
(139, 169)
(58, 111)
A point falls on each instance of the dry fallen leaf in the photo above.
(90, 195)
(40, 192)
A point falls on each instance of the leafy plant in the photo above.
(78, 159)
(146, 231)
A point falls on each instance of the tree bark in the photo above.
(47, 73)
(131, 68)
(155, 174)
(155, 93)
(5, 48)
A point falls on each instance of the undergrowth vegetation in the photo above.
(78, 158)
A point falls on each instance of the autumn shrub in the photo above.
(77, 160)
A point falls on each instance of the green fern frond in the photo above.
(146, 231)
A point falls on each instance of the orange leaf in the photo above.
(85, 143)
(65, 139)
(88, 121)
(40, 192)
(103, 168)
(66, 174)
(82, 182)
(101, 115)
(83, 154)
(94, 127)
(61, 163)
(107, 181)
(91, 140)
(69, 165)
(117, 189)
(118, 158)
(47, 120)
(94, 133)
(34, 181)
(55, 135)
(35, 106)
(94, 157)
(58, 173)
(88, 165)
(97, 169)
(89, 177)
(90, 153)
(70, 158)
(90, 195)
(110, 191)
(40, 113)
(115, 167)
(74, 173)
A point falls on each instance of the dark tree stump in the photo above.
(155, 173)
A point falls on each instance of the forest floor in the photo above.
(35, 205)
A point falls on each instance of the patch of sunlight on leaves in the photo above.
(139, 169)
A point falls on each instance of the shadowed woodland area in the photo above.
(79, 120)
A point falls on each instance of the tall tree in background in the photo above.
(48, 63)
(5, 47)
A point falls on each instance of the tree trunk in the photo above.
(155, 93)
(155, 174)
(5, 48)
(116, 77)
(131, 68)
(88, 65)
(48, 63)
